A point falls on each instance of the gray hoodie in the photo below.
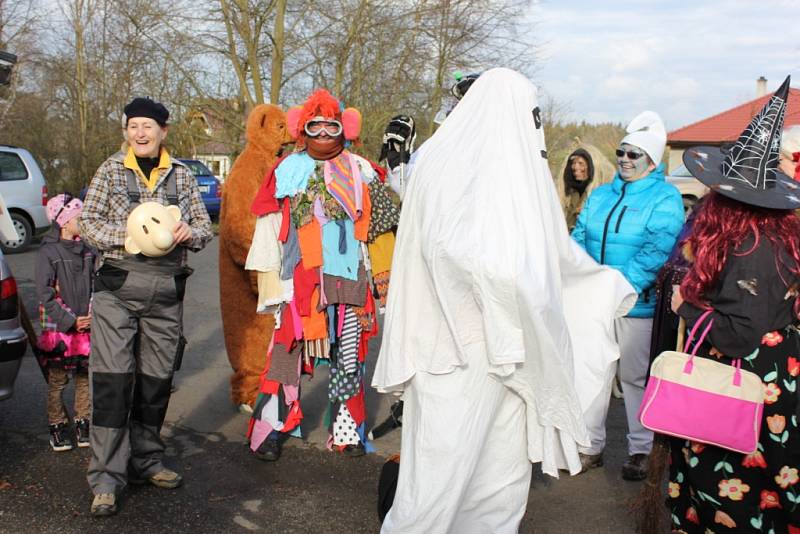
(63, 280)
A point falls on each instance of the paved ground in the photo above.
(226, 489)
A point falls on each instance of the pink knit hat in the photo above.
(63, 208)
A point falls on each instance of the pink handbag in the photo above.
(703, 400)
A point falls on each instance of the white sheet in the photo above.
(482, 256)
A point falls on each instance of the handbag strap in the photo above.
(736, 363)
(702, 318)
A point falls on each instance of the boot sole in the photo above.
(61, 448)
(104, 511)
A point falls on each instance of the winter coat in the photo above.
(632, 227)
(600, 170)
(63, 280)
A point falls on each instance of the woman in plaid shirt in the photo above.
(137, 341)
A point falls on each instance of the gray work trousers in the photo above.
(136, 344)
(633, 335)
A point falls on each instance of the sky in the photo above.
(685, 59)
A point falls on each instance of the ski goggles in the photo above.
(315, 127)
(633, 156)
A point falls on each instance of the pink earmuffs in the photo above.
(351, 123)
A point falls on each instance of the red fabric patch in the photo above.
(265, 201)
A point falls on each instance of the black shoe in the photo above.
(59, 440)
(590, 461)
(635, 467)
(269, 451)
(395, 420)
(82, 432)
(354, 450)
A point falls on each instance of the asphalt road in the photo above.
(226, 489)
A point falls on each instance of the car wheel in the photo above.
(25, 231)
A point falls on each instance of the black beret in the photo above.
(145, 107)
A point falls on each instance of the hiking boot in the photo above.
(354, 450)
(59, 439)
(269, 451)
(104, 504)
(165, 478)
(635, 467)
(82, 432)
(590, 461)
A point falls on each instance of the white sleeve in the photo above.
(266, 249)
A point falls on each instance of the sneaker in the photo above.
(269, 451)
(590, 461)
(82, 432)
(59, 440)
(354, 450)
(104, 504)
(635, 467)
(165, 478)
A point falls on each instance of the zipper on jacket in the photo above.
(619, 219)
(608, 221)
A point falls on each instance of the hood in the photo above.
(53, 236)
(570, 183)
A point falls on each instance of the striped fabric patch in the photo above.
(342, 185)
(348, 342)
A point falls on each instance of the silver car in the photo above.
(13, 341)
(23, 187)
(690, 187)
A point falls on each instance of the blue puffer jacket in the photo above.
(632, 227)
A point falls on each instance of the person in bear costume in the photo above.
(247, 333)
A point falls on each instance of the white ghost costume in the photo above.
(476, 335)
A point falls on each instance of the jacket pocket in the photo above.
(109, 278)
(180, 282)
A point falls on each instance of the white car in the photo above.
(690, 187)
(23, 187)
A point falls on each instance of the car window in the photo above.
(681, 171)
(198, 169)
(11, 167)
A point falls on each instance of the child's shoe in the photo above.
(82, 432)
(59, 439)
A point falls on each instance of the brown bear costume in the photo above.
(247, 333)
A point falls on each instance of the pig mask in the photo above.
(150, 227)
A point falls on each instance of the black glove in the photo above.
(398, 140)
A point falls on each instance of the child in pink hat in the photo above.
(64, 287)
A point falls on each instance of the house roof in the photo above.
(728, 125)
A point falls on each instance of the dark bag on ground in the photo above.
(387, 485)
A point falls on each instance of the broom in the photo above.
(648, 506)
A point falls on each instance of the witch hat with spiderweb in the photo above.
(748, 171)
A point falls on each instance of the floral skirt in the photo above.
(714, 490)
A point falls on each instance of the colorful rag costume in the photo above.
(311, 255)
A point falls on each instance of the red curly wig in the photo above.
(721, 226)
(320, 104)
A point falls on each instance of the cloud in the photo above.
(686, 61)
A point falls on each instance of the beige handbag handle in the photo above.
(681, 334)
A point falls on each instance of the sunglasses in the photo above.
(67, 199)
(315, 128)
(630, 153)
